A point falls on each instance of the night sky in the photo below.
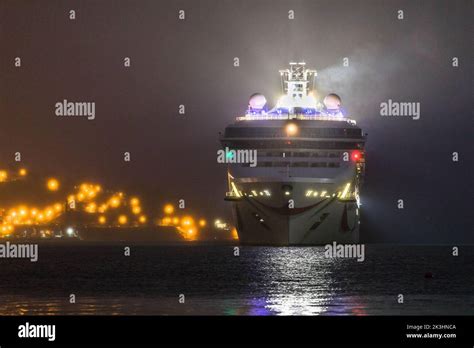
(190, 62)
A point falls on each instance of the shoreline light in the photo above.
(52, 184)
(168, 209)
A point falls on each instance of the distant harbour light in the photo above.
(52, 184)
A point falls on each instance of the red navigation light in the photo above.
(356, 156)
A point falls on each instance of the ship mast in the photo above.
(297, 81)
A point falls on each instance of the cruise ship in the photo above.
(295, 171)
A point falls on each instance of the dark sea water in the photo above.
(261, 281)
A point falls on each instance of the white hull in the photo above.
(318, 222)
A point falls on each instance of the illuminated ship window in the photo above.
(320, 154)
(319, 164)
(273, 154)
(298, 154)
(280, 164)
(279, 132)
(278, 144)
(297, 164)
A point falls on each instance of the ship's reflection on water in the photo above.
(299, 281)
(260, 281)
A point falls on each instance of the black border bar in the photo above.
(138, 330)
